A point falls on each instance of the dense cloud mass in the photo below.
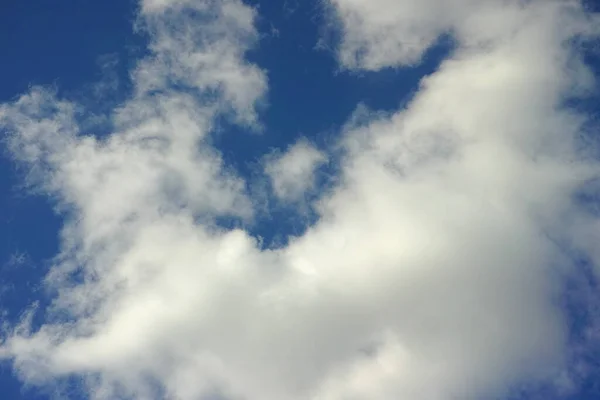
(433, 271)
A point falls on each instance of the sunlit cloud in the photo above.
(433, 271)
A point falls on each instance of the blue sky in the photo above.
(299, 199)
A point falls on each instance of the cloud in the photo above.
(386, 33)
(432, 272)
(292, 173)
(200, 45)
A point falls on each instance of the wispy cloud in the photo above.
(292, 173)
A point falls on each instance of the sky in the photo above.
(300, 199)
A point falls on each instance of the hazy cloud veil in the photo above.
(434, 270)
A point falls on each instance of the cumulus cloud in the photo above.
(432, 272)
(292, 173)
(388, 33)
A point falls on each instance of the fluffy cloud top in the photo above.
(432, 272)
(389, 33)
(292, 173)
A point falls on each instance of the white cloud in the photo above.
(206, 56)
(389, 33)
(292, 173)
(431, 274)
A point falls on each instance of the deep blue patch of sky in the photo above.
(309, 96)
